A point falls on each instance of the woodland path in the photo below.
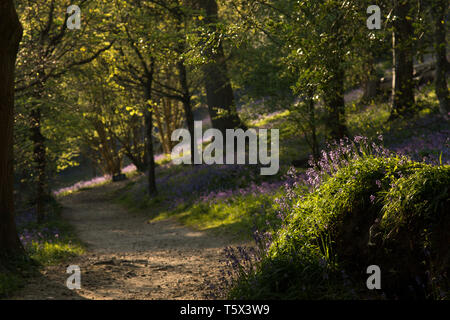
(129, 258)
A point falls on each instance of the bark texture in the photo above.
(10, 36)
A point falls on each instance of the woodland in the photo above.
(90, 97)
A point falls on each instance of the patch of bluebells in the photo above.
(210, 183)
(239, 261)
(293, 182)
(253, 189)
(98, 180)
(338, 155)
(201, 179)
(428, 148)
(39, 237)
(28, 232)
(83, 184)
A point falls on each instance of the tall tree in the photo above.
(185, 94)
(100, 109)
(176, 30)
(137, 65)
(317, 39)
(148, 115)
(403, 53)
(439, 10)
(10, 35)
(48, 51)
(219, 93)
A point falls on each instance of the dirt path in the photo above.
(129, 258)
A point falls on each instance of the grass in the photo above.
(368, 120)
(241, 208)
(271, 121)
(57, 243)
(53, 253)
(236, 216)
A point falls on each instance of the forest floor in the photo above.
(129, 258)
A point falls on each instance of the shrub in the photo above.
(365, 206)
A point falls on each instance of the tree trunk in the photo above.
(312, 123)
(439, 13)
(151, 159)
(186, 95)
(187, 106)
(371, 80)
(335, 104)
(10, 36)
(403, 68)
(219, 94)
(40, 162)
(148, 115)
(110, 160)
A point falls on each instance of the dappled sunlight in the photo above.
(232, 149)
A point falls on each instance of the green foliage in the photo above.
(367, 120)
(413, 230)
(369, 212)
(48, 55)
(236, 216)
(53, 253)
